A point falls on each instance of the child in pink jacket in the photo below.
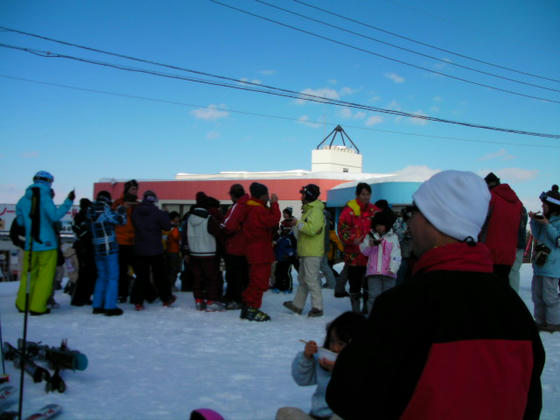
(382, 248)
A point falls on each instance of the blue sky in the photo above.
(81, 136)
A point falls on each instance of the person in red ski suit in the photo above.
(259, 227)
(237, 270)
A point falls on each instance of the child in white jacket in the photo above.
(382, 248)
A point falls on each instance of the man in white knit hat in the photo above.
(452, 343)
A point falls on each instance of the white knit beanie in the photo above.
(455, 202)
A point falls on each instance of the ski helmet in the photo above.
(104, 196)
(43, 177)
(311, 192)
(552, 199)
(150, 196)
(205, 414)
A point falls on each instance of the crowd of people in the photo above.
(437, 283)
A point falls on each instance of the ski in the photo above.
(38, 373)
(46, 412)
(6, 393)
(54, 382)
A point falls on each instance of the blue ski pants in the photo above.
(106, 289)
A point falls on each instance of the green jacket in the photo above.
(311, 228)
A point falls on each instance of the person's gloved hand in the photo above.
(71, 195)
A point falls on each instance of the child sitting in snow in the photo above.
(382, 248)
(309, 369)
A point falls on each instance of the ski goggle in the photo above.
(549, 199)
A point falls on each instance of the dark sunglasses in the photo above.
(409, 210)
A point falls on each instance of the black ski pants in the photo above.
(237, 277)
(145, 265)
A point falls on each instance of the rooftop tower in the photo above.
(336, 158)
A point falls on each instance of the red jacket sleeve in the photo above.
(234, 218)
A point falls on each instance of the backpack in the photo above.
(17, 232)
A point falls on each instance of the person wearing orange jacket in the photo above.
(125, 237)
(354, 223)
(260, 223)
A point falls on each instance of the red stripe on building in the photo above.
(286, 189)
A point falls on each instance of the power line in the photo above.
(406, 49)
(271, 116)
(424, 43)
(364, 50)
(71, 44)
(277, 92)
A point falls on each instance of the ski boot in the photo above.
(355, 302)
(254, 314)
(290, 305)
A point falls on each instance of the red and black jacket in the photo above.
(452, 343)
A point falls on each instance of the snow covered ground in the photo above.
(163, 362)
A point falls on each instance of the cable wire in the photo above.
(71, 44)
(272, 116)
(364, 50)
(424, 43)
(431, 57)
(283, 93)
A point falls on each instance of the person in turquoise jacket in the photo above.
(546, 262)
(40, 240)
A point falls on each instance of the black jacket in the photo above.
(149, 222)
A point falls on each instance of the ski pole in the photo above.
(32, 215)
(4, 377)
(23, 347)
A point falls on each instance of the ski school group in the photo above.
(445, 326)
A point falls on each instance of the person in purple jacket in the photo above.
(149, 221)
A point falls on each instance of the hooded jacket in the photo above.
(549, 235)
(311, 228)
(259, 227)
(233, 227)
(503, 224)
(200, 232)
(149, 221)
(354, 223)
(452, 343)
(48, 215)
